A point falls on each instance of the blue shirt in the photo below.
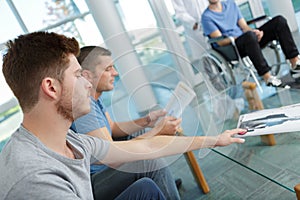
(94, 120)
(226, 21)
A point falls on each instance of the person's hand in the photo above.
(259, 34)
(167, 126)
(226, 138)
(195, 27)
(153, 116)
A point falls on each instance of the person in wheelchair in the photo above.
(223, 18)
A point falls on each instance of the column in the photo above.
(117, 40)
(173, 42)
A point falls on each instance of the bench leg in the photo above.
(268, 139)
(297, 190)
(197, 173)
(256, 104)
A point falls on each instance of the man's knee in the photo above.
(250, 36)
(147, 186)
(279, 20)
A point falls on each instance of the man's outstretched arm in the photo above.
(161, 146)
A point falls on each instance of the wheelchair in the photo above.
(220, 64)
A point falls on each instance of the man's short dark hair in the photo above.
(88, 54)
(32, 57)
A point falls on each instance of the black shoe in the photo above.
(178, 183)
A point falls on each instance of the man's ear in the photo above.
(51, 87)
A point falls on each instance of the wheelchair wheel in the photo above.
(218, 70)
(272, 53)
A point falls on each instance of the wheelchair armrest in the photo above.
(257, 19)
(217, 39)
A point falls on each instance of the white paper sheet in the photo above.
(271, 121)
(181, 97)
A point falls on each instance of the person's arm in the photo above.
(121, 129)
(242, 24)
(222, 42)
(161, 146)
(245, 27)
(102, 133)
(182, 14)
(167, 126)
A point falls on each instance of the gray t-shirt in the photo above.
(30, 170)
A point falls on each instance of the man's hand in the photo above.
(259, 34)
(226, 138)
(153, 116)
(167, 126)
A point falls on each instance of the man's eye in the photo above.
(78, 75)
(108, 68)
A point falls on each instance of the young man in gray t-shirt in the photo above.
(43, 160)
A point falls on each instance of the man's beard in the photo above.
(64, 107)
(212, 2)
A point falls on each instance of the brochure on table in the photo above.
(271, 121)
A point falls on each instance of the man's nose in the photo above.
(115, 73)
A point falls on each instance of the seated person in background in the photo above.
(44, 159)
(225, 18)
(98, 69)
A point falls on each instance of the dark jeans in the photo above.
(108, 184)
(142, 189)
(275, 29)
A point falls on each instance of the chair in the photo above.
(219, 62)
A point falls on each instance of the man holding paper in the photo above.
(98, 69)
